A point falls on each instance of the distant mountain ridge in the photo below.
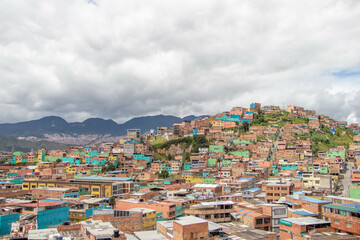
(58, 125)
(9, 144)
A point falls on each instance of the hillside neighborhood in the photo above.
(257, 172)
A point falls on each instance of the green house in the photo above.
(216, 148)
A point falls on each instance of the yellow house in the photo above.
(317, 181)
(41, 155)
(149, 218)
(18, 159)
(95, 190)
(112, 159)
(28, 184)
(193, 179)
(108, 191)
(70, 169)
(217, 123)
(290, 108)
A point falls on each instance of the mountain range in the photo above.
(57, 125)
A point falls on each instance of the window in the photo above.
(276, 221)
(207, 216)
(281, 211)
(269, 194)
(342, 212)
(119, 213)
(266, 220)
(284, 188)
(348, 225)
(336, 222)
(259, 221)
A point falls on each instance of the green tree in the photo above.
(164, 174)
(109, 166)
(245, 126)
(112, 201)
(58, 161)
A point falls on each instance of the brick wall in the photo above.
(162, 230)
(42, 194)
(313, 207)
(342, 222)
(130, 224)
(14, 193)
(65, 228)
(190, 232)
(158, 207)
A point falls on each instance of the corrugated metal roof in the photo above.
(217, 203)
(303, 212)
(149, 235)
(354, 205)
(304, 221)
(310, 199)
(253, 189)
(342, 207)
(101, 178)
(206, 185)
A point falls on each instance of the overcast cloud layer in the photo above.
(119, 59)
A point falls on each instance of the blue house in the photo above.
(187, 166)
(147, 158)
(229, 117)
(6, 220)
(70, 160)
(245, 120)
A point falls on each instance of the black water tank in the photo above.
(116, 233)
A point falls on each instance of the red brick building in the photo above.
(344, 218)
(296, 228)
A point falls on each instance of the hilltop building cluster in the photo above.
(261, 172)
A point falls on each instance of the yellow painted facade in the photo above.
(149, 221)
(112, 159)
(217, 123)
(70, 170)
(95, 190)
(193, 179)
(108, 191)
(25, 186)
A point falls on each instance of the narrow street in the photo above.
(347, 180)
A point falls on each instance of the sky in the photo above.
(121, 59)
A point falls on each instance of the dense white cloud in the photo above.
(119, 59)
